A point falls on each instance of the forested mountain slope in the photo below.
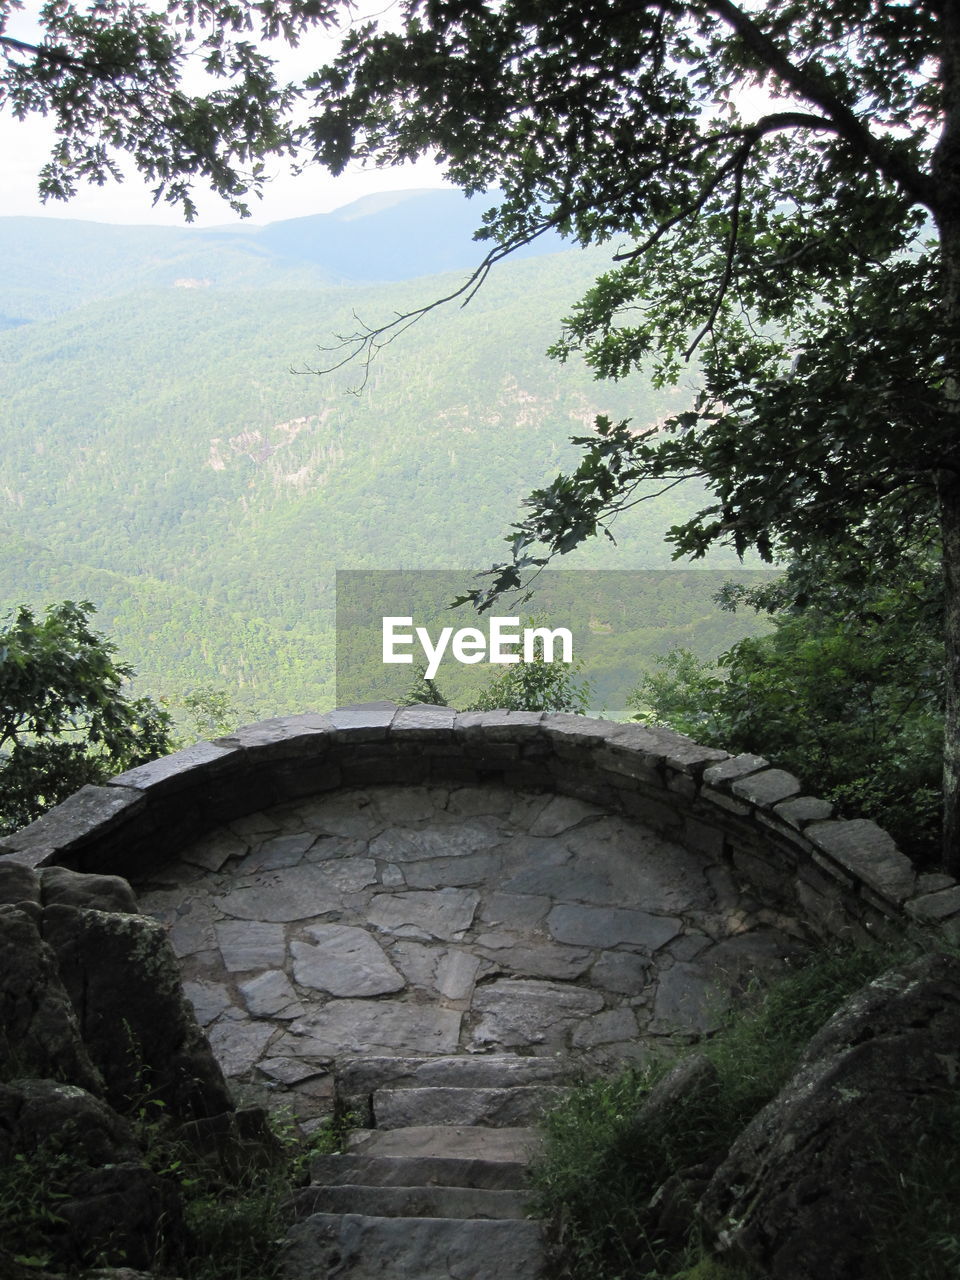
(165, 453)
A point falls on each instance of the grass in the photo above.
(599, 1170)
(233, 1224)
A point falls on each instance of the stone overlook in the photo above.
(436, 918)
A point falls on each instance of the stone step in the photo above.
(410, 1202)
(516, 1145)
(363, 1076)
(417, 1171)
(358, 1079)
(396, 1108)
(356, 1247)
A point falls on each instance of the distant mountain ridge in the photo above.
(55, 264)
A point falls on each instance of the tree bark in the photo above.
(949, 495)
(946, 175)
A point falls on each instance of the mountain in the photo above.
(54, 264)
(165, 452)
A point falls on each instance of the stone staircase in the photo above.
(432, 1186)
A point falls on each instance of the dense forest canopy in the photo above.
(807, 253)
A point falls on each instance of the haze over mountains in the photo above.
(164, 452)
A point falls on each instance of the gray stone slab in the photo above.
(270, 995)
(391, 877)
(417, 961)
(183, 768)
(254, 826)
(517, 1105)
(564, 884)
(246, 945)
(536, 960)
(399, 806)
(456, 974)
(441, 913)
(801, 810)
(278, 852)
(311, 889)
(454, 840)
(468, 1142)
(214, 851)
(435, 873)
(90, 811)
(377, 1026)
(869, 852)
(766, 788)
(499, 726)
(939, 905)
(561, 813)
(364, 721)
(474, 801)
(364, 1248)
(514, 911)
(590, 926)
(417, 1201)
(344, 961)
(423, 721)
(343, 813)
(192, 930)
(238, 1044)
(282, 737)
(464, 1071)
(289, 1071)
(417, 1171)
(526, 1011)
(609, 1026)
(209, 1000)
(733, 768)
(622, 971)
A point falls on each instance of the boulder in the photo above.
(138, 1027)
(793, 1196)
(80, 1184)
(18, 883)
(82, 889)
(39, 1031)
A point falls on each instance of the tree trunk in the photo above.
(949, 494)
(946, 175)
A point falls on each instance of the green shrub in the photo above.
(599, 1169)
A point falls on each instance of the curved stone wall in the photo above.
(839, 878)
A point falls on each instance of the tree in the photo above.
(422, 690)
(119, 78)
(808, 256)
(846, 691)
(64, 718)
(535, 686)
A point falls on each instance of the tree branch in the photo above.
(368, 341)
(749, 137)
(57, 56)
(815, 89)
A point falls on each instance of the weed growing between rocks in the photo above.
(607, 1183)
(918, 1221)
(228, 1223)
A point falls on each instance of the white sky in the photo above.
(25, 145)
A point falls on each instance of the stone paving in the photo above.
(434, 920)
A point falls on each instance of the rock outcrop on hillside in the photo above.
(95, 1033)
(802, 1192)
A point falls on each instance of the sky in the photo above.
(24, 146)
